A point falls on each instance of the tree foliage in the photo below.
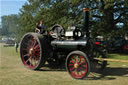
(9, 24)
(107, 17)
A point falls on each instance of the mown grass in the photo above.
(118, 56)
(12, 72)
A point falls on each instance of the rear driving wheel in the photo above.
(31, 51)
(99, 64)
(77, 65)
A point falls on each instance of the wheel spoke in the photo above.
(34, 43)
(31, 64)
(73, 58)
(71, 69)
(80, 59)
(70, 64)
(28, 59)
(26, 55)
(34, 60)
(38, 54)
(85, 65)
(81, 69)
(30, 44)
(77, 59)
(37, 58)
(37, 49)
(37, 46)
(83, 62)
(73, 62)
(76, 72)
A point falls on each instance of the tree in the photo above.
(10, 25)
(51, 11)
(4, 29)
(105, 14)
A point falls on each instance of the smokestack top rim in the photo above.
(86, 9)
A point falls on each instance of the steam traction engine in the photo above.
(74, 47)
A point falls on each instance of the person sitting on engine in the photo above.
(41, 28)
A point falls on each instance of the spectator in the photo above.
(16, 45)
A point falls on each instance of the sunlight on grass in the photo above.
(13, 72)
(118, 56)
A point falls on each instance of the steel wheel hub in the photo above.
(31, 51)
(76, 65)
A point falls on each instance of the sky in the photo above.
(8, 7)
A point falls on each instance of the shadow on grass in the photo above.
(53, 68)
(109, 74)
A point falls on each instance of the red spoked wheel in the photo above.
(77, 65)
(31, 51)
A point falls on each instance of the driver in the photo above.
(41, 28)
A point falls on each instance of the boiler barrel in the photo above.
(68, 43)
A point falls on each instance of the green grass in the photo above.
(9, 51)
(12, 72)
(118, 56)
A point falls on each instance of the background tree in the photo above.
(107, 17)
(9, 24)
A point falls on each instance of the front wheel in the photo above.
(77, 65)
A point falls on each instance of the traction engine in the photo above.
(73, 47)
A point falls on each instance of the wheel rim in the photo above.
(77, 66)
(30, 52)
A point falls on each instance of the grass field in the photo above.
(12, 72)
